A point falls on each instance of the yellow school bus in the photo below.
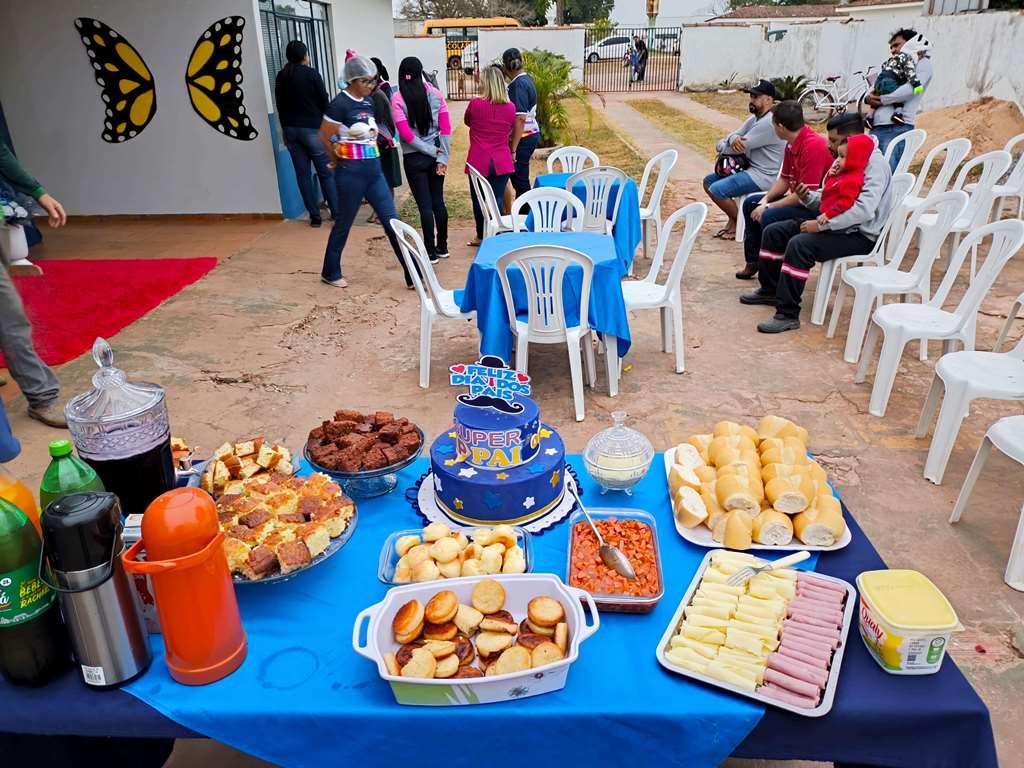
(461, 32)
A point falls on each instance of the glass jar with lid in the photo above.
(618, 457)
(121, 429)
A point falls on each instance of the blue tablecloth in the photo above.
(482, 294)
(627, 232)
(619, 706)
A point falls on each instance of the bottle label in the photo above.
(23, 596)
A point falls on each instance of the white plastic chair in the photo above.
(1007, 435)
(912, 141)
(435, 301)
(899, 188)
(552, 209)
(900, 323)
(494, 221)
(543, 269)
(953, 153)
(664, 162)
(667, 297)
(741, 222)
(1004, 332)
(872, 283)
(571, 160)
(1014, 184)
(599, 183)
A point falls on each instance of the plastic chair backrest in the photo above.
(543, 269)
(912, 141)
(1016, 177)
(993, 165)
(955, 151)
(947, 207)
(599, 183)
(664, 162)
(550, 207)
(414, 252)
(899, 188)
(571, 159)
(485, 195)
(1007, 236)
(692, 217)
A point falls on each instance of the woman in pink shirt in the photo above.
(490, 118)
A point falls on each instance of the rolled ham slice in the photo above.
(829, 634)
(787, 697)
(821, 653)
(829, 595)
(814, 621)
(799, 670)
(805, 658)
(799, 632)
(790, 683)
(830, 619)
(813, 581)
(814, 603)
(820, 596)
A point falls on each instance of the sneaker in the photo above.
(315, 222)
(341, 282)
(443, 255)
(749, 272)
(779, 325)
(51, 414)
(758, 297)
(434, 258)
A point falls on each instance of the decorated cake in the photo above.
(498, 463)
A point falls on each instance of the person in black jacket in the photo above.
(301, 101)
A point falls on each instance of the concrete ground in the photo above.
(259, 345)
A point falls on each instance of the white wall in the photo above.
(567, 41)
(366, 26)
(973, 55)
(428, 49)
(178, 164)
(895, 16)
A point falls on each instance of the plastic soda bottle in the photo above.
(66, 474)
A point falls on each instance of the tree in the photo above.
(523, 10)
(587, 11)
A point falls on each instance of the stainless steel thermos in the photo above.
(81, 561)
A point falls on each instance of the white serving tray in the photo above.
(701, 535)
(833, 673)
(519, 590)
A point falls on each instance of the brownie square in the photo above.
(410, 442)
(390, 434)
(364, 428)
(374, 459)
(394, 453)
(347, 414)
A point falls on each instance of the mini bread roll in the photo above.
(417, 554)
(701, 443)
(819, 476)
(717, 526)
(505, 535)
(738, 530)
(472, 552)
(484, 536)
(405, 543)
(732, 428)
(436, 531)
(733, 492)
(680, 476)
(772, 527)
(451, 569)
(771, 471)
(689, 507)
(822, 525)
(706, 473)
(742, 464)
(791, 495)
(471, 567)
(726, 444)
(710, 499)
(514, 563)
(781, 442)
(403, 572)
(688, 456)
(491, 560)
(426, 571)
(462, 540)
(445, 550)
(776, 426)
(784, 456)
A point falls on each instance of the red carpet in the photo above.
(76, 301)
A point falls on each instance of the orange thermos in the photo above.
(195, 598)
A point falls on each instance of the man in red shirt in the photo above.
(805, 161)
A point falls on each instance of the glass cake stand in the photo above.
(368, 483)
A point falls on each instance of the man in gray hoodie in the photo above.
(791, 248)
(757, 141)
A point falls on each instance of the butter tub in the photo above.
(905, 621)
(519, 590)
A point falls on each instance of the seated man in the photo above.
(756, 141)
(805, 161)
(791, 248)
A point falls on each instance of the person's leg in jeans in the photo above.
(37, 382)
(885, 135)
(317, 153)
(301, 161)
(521, 175)
(440, 211)
(418, 168)
(723, 191)
(350, 180)
(378, 195)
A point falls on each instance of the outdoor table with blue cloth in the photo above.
(303, 697)
(482, 294)
(627, 231)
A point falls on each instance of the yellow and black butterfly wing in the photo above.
(214, 79)
(127, 87)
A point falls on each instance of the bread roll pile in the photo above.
(754, 486)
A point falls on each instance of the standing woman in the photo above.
(301, 101)
(642, 54)
(387, 138)
(526, 134)
(349, 132)
(491, 118)
(383, 77)
(421, 117)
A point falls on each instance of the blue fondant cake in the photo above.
(498, 465)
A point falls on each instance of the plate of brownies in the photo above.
(355, 445)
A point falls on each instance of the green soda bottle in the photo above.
(66, 474)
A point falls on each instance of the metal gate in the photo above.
(462, 54)
(305, 20)
(611, 59)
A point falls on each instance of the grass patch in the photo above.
(456, 184)
(733, 104)
(689, 130)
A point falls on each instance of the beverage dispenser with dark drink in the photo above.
(121, 430)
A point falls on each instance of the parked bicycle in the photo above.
(822, 100)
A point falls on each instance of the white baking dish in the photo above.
(833, 673)
(519, 590)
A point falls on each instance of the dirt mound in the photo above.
(988, 123)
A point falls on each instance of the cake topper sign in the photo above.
(492, 384)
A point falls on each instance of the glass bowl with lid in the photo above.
(618, 457)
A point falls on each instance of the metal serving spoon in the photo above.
(613, 557)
